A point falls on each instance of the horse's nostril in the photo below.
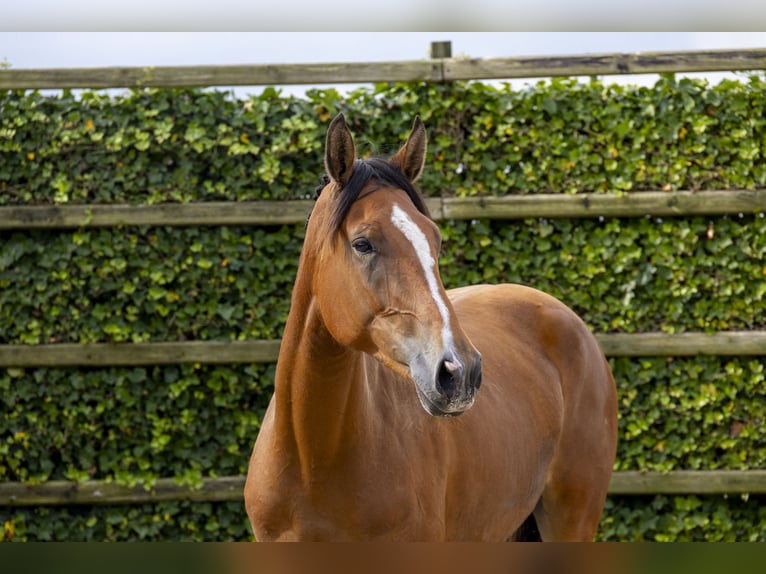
(446, 379)
(476, 374)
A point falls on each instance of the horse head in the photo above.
(375, 278)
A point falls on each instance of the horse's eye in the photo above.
(362, 246)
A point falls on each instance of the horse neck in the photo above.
(320, 388)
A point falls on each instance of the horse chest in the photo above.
(361, 494)
(346, 504)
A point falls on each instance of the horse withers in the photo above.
(404, 411)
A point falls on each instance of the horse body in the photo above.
(349, 450)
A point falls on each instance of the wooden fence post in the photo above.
(441, 49)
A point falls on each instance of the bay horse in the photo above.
(362, 438)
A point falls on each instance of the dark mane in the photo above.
(366, 170)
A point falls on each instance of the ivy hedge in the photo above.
(561, 136)
(136, 284)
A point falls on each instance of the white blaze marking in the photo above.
(418, 239)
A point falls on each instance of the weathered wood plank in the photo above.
(604, 64)
(726, 343)
(229, 75)
(635, 204)
(689, 482)
(170, 214)
(64, 492)
(230, 488)
(730, 343)
(434, 70)
(139, 354)
(585, 205)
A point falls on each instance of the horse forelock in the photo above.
(365, 171)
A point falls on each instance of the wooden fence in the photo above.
(229, 488)
(440, 69)
(426, 70)
(634, 204)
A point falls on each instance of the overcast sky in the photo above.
(82, 49)
(88, 49)
(388, 15)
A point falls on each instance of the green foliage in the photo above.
(155, 145)
(664, 518)
(130, 425)
(700, 413)
(624, 275)
(135, 425)
(146, 284)
(177, 521)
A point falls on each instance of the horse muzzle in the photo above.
(452, 389)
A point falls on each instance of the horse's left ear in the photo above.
(411, 158)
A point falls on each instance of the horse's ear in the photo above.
(339, 152)
(411, 158)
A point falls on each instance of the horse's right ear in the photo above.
(339, 152)
(411, 158)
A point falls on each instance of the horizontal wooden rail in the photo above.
(605, 64)
(230, 488)
(139, 354)
(585, 205)
(724, 343)
(64, 492)
(229, 75)
(434, 70)
(689, 482)
(727, 343)
(164, 214)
